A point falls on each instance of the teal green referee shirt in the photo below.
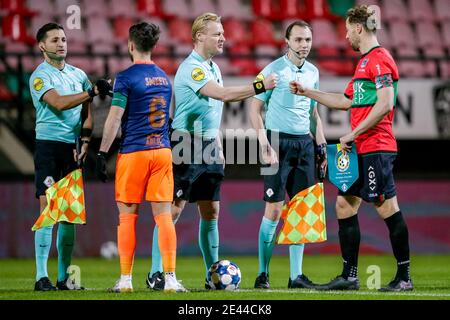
(52, 124)
(194, 112)
(286, 112)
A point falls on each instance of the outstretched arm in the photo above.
(330, 100)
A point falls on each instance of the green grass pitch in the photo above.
(431, 277)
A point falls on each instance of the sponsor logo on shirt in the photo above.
(197, 74)
(38, 83)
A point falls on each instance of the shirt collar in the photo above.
(365, 54)
(52, 66)
(143, 62)
(294, 68)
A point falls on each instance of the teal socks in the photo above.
(296, 260)
(265, 243)
(42, 245)
(208, 239)
(64, 244)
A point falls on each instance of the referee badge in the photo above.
(197, 74)
(38, 83)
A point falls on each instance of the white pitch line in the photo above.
(360, 293)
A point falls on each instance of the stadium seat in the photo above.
(225, 66)
(199, 7)
(324, 34)
(100, 35)
(416, 69)
(442, 10)
(420, 10)
(236, 32)
(403, 38)
(291, 9)
(14, 27)
(244, 65)
(116, 65)
(167, 64)
(445, 32)
(42, 8)
(429, 40)
(263, 32)
(264, 9)
(180, 31)
(234, 9)
(152, 8)
(20, 7)
(177, 8)
(95, 8)
(318, 9)
(121, 26)
(265, 54)
(329, 66)
(444, 67)
(92, 66)
(394, 10)
(125, 8)
(384, 36)
(368, 2)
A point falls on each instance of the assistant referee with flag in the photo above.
(61, 94)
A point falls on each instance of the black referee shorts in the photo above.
(53, 160)
(376, 179)
(199, 175)
(296, 167)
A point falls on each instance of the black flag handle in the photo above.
(78, 151)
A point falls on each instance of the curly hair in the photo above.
(363, 15)
(144, 35)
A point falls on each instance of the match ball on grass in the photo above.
(109, 250)
(224, 275)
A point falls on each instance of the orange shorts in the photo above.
(148, 171)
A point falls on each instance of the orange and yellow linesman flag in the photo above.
(304, 217)
(65, 202)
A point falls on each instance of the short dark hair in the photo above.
(299, 23)
(42, 32)
(144, 35)
(363, 15)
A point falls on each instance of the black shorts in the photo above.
(53, 160)
(197, 177)
(296, 167)
(376, 179)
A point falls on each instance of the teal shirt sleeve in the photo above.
(86, 82)
(196, 76)
(40, 83)
(265, 96)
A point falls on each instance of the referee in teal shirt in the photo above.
(61, 94)
(295, 123)
(199, 97)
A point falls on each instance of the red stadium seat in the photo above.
(325, 34)
(234, 9)
(265, 54)
(263, 32)
(429, 40)
(177, 8)
(14, 28)
(316, 9)
(404, 39)
(421, 10)
(236, 32)
(330, 66)
(291, 9)
(167, 64)
(199, 7)
(416, 69)
(180, 31)
(42, 8)
(121, 27)
(265, 9)
(394, 10)
(152, 8)
(15, 7)
(95, 8)
(125, 8)
(245, 66)
(442, 10)
(445, 34)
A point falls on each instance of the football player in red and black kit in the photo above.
(370, 96)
